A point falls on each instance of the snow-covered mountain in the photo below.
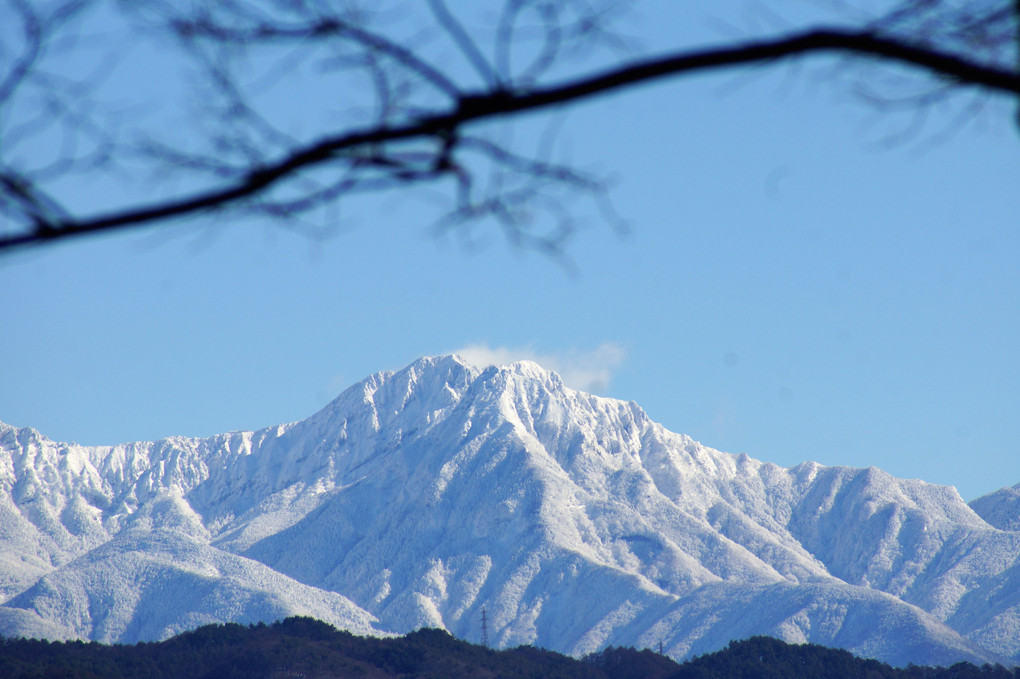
(419, 497)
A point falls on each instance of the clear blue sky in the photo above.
(792, 286)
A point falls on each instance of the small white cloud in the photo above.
(590, 371)
(482, 355)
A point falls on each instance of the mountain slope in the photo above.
(419, 497)
(1001, 508)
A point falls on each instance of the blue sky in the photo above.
(799, 281)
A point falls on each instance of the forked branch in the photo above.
(446, 127)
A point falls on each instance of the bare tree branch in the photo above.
(464, 42)
(319, 28)
(382, 149)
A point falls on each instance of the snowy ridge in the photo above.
(1000, 508)
(416, 498)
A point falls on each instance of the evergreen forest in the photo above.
(304, 648)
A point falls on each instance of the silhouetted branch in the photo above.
(263, 32)
(382, 155)
(464, 42)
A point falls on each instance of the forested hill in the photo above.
(303, 648)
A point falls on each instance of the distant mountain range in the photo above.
(421, 498)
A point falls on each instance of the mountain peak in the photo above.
(425, 495)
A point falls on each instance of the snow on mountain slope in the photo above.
(418, 497)
(1000, 508)
(871, 623)
(158, 577)
(99, 543)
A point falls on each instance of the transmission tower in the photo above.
(485, 629)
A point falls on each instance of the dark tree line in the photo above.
(303, 647)
(420, 93)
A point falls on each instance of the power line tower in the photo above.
(485, 629)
